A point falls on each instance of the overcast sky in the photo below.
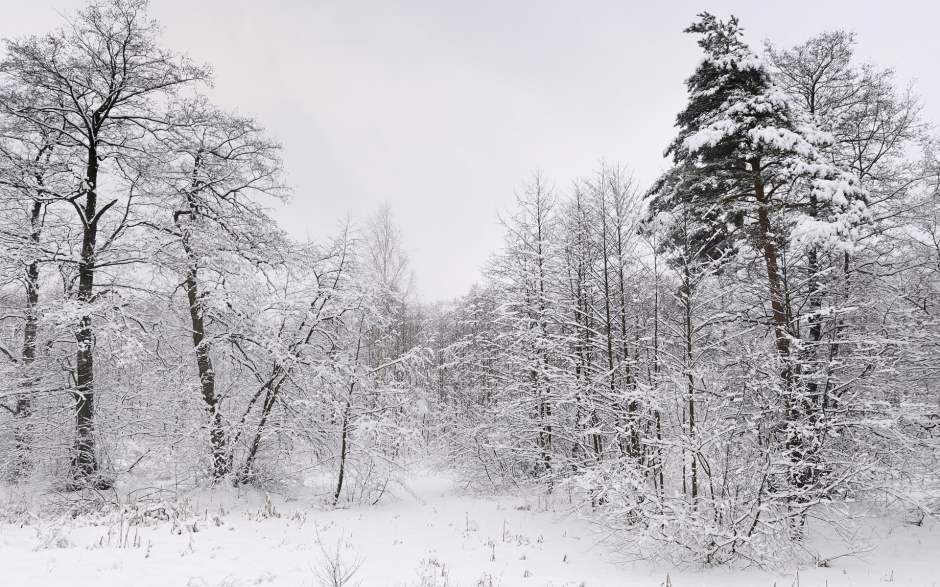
(442, 108)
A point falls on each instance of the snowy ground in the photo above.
(434, 537)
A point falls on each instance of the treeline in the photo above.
(709, 367)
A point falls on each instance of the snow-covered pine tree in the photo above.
(750, 165)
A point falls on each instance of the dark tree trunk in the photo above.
(633, 439)
(23, 409)
(608, 328)
(217, 438)
(270, 389)
(220, 463)
(813, 403)
(799, 473)
(774, 280)
(84, 458)
(688, 332)
(343, 445)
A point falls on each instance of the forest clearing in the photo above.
(726, 374)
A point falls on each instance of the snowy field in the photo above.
(434, 537)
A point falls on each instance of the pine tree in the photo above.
(752, 168)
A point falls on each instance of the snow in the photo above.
(710, 135)
(435, 532)
(741, 61)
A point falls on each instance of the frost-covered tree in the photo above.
(149, 294)
(888, 277)
(99, 83)
(210, 215)
(31, 173)
(750, 164)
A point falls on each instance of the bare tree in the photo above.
(28, 175)
(217, 168)
(100, 82)
(388, 266)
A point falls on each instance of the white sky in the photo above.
(441, 108)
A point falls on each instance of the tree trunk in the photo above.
(774, 280)
(220, 461)
(220, 464)
(799, 473)
(84, 458)
(22, 436)
(343, 445)
(688, 332)
(633, 435)
(271, 388)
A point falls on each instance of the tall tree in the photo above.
(30, 170)
(748, 162)
(102, 82)
(851, 294)
(217, 168)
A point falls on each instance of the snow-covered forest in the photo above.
(735, 365)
